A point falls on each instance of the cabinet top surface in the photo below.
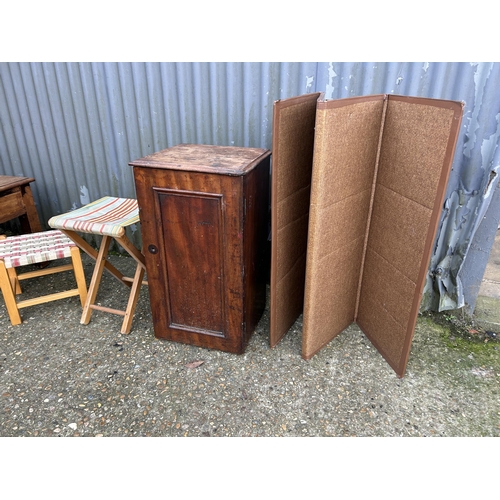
(229, 160)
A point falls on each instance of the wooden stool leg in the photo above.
(8, 295)
(79, 274)
(132, 300)
(14, 281)
(16, 287)
(96, 279)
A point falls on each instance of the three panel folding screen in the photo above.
(357, 193)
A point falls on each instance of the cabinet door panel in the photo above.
(192, 236)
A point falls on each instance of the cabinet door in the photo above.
(192, 232)
(192, 241)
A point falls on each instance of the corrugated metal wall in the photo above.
(75, 126)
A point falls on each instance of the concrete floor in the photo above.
(61, 378)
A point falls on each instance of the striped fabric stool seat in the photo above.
(35, 248)
(107, 217)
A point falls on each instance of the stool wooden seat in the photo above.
(35, 248)
(108, 217)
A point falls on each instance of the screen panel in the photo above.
(418, 142)
(293, 139)
(345, 152)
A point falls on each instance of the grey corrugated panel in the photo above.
(477, 152)
(470, 189)
(474, 265)
(75, 126)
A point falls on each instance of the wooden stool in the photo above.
(108, 217)
(34, 248)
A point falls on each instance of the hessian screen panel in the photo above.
(379, 176)
(293, 139)
(345, 152)
(416, 154)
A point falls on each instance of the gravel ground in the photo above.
(60, 378)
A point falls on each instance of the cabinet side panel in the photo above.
(417, 149)
(256, 196)
(192, 242)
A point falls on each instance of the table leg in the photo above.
(30, 219)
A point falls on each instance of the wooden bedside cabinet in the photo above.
(204, 222)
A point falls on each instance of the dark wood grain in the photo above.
(192, 238)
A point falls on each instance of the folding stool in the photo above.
(34, 248)
(107, 217)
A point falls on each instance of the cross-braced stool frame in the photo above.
(108, 217)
